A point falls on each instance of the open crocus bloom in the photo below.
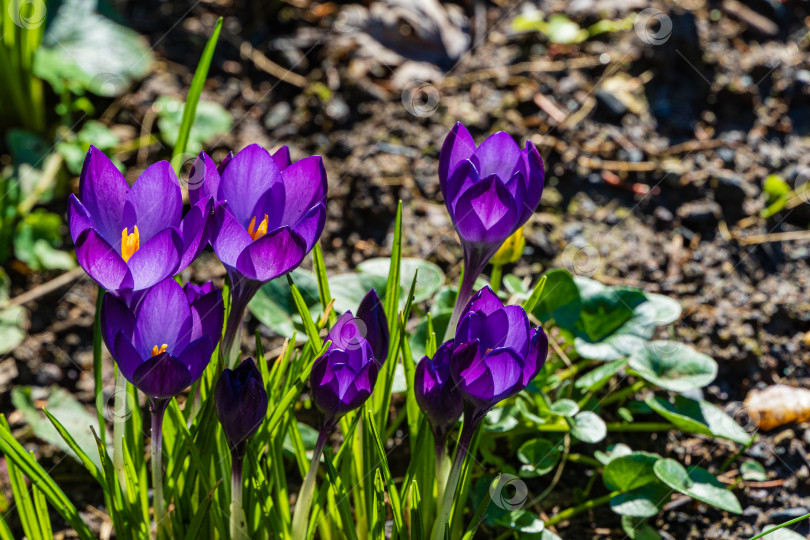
(128, 239)
(269, 211)
(344, 377)
(165, 342)
(496, 353)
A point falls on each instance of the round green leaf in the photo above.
(752, 471)
(639, 529)
(588, 427)
(521, 520)
(613, 451)
(673, 366)
(699, 417)
(565, 407)
(698, 483)
(645, 501)
(667, 310)
(629, 472)
(539, 456)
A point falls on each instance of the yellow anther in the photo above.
(255, 233)
(129, 243)
(158, 350)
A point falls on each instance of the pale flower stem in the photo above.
(162, 524)
(119, 428)
(443, 516)
(304, 501)
(238, 520)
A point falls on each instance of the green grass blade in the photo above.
(303, 310)
(17, 455)
(378, 516)
(323, 283)
(392, 285)
(193, 98)
(41, 508)
(480, 512)
(5, 531)
(342, 499)
(202, 512)
(532, 300)
(71, 442)
(393, 494)
(24, 503)
(417, 523)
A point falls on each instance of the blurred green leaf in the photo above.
(211, 121)
(70, 413)
(613, 451)
(559, 300)
(673, 366)
(699, 417)
(644, 501)
(539, 456)
(631, 471)
(588, 427)
(565, 407)
(273, 304)
(753, 471)
(521, 520)
(698, 483)
(639, 529)
(39, 234)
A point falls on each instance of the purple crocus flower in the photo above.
(241, 402)
(269, 213)
(490, 190)
(496, 353)
(437, 394)
(163, 344)
(129, 239)
(344, 377)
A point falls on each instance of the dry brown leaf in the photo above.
(778, 405)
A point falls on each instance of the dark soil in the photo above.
(655, 156)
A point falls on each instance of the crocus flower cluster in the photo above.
(494, 355)
(490, 191)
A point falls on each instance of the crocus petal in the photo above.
(207, 313)
(371, 312)
(126, 357)
(486, 213)
(506, 371)
(157, 259)
(224, 163)
(506, 328)
(203, 179)
(195, 230)
(102, 262)
(311, 225)
(228, 238)
(164, 317)
(103, 192)
(458, 146)
(499, 154)
(272, 255)
(116, 318)
(484, 301)
(535, 180)
(78, 217)
(194, 291)
(463, 176)
(247, 177)
(322, 378)
(304, 187)
(197, 356)
(536, 357)
(270, 204)
(161, 376)
(282, 157)
(154, 202)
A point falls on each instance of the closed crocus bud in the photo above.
(344, 377)
(436, 392)
(496, 353)
(372, 315)
(241, 403)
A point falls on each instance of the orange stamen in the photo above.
(158, 350)
(129, 243)
(255, 233)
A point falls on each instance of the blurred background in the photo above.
(675, 137)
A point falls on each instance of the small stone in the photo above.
(700, 214)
